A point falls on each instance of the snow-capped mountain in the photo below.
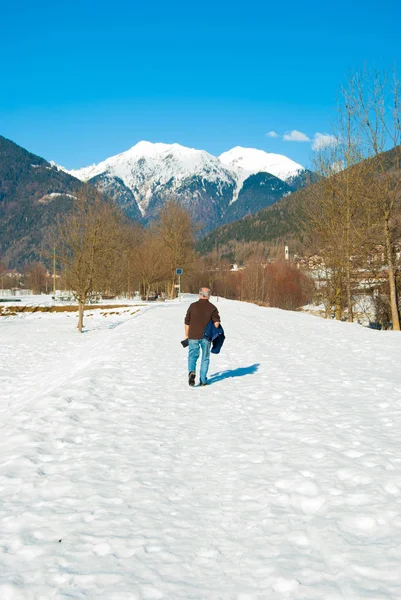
(147, 169)
(147, 175)
(251, 161)
(254, 161)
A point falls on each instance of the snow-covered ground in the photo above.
(282, 479)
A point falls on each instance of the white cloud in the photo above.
(272, 134)
(322, 140)
(295, 136)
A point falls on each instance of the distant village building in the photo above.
(286, 253)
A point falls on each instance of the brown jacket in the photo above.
(198, 316)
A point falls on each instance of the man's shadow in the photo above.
(240, 372)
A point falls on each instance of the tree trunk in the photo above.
(338, 303)
(81, 316)
(391, 278)
(393, 298)
(348, 267)
(349, 295)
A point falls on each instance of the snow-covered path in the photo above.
(281, 479)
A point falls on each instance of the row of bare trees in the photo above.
(35, 276)
(277, 284)
(353, 214)
(100, 252)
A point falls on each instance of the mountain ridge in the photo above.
(34, 191)
(146, 167)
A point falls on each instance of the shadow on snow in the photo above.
(240, 372)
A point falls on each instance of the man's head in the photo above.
(204, 293)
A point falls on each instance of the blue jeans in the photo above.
(193, 355)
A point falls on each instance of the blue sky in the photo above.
(81, 81)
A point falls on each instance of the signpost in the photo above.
(179, 272)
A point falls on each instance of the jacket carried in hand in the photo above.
(215, 335)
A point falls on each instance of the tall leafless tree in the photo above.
(152, 262)
(88, 240)
(377, 97)
(177, 232)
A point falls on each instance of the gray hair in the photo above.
(204, 292)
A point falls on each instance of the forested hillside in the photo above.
(285, 222)
(32, 194)
(278, 224)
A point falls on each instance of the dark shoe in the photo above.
(191, 378)
(203, 383)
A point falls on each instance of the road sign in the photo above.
(179, 273)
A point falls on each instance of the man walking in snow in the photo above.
(198, 316)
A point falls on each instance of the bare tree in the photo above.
(379, 112)
(324, 218)
(339, 212)
(3, 273)
(133, 238)
(287, 287)
(254, 280)
(350, 184)
(116, 275)
(177, 232)
(35, 277)
(87, 241)
(152, 263)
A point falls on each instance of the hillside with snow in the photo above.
(206, 185)
(140, 181)
(146, 167)
(281, 479)
(249, 161)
